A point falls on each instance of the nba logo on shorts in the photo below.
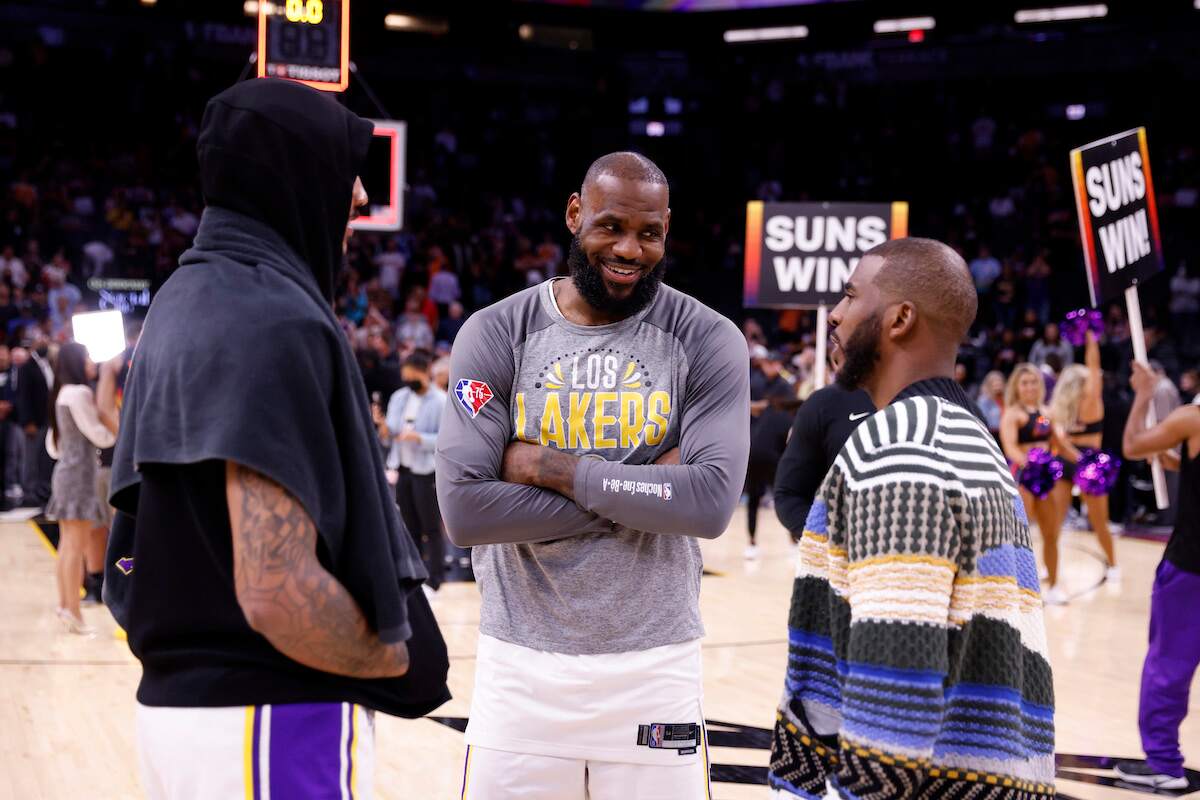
(473, 395)
(667, 492)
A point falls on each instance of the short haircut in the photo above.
(934, 278)
(419, 359)
(626, 165)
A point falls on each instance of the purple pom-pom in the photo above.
(1075, 327)
(1097, 472)
(1041, 471)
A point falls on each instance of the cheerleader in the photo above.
(1077, 408)
(1026, 425)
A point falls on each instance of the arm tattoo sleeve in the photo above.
(285, 592)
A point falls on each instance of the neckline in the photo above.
(550, 304)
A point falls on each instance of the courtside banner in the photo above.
(800, 255)
(1118, 218)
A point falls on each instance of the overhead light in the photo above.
(1062, 13)
(766, 34)
(655, 129)
(1076, 111)
(149, 2)
(411, 24)
(905, 24)
(250, 7)
(525, 31)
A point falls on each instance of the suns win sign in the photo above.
(1118, 218)
(802, 254)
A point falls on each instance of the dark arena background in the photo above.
(959, 118)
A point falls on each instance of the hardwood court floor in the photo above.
(66, 704)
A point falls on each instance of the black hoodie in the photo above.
(241, 359)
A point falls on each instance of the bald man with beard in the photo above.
(917, 662)
(598, 426)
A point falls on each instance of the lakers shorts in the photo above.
(298, 751)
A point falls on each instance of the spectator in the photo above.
(985, 269)
(991, 400)
(766, 378)
(451, 324)
(1185, 309)
(10, 434)
(12, 269)
(441, 373)
(413, 329)
(34, 380)
(1051, 344)
(444, 290)
(390, 264)
(1189, 385)
(8, 310)
(410, 429)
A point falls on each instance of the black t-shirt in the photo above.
(822, 426)
(186, 627)
(1183, 550)
(769, 435)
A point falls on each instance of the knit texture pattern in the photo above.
(917, 659)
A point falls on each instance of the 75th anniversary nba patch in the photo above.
(472, 395)
(683, 738)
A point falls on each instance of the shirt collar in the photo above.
(945, 388)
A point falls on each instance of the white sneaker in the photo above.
(1112, 574)
(1043, 573)
(751, 553)
(1054, 596)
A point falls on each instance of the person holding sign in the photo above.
(1025, 427)
(1174, 653)
(915, 600)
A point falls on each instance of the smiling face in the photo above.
(620, 231)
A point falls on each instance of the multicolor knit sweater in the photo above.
(917, 663)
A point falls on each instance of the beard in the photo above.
(860, 353)
(590, 282)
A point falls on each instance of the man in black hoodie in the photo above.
(261, 569)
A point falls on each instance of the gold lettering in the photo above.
(657, 418)
(633, 418)
(577, 420)
(601, 420)
(520, 424)
(552, 423)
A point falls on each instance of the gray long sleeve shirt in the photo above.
(618, 568)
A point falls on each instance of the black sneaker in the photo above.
(1143, 774)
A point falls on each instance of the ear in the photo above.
(903, 321)
(574, 214)
(667, 224)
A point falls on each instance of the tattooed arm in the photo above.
(287, 595)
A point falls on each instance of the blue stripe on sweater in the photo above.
(896, 676)
(1009, 561)
(802, 638)
(817, 520)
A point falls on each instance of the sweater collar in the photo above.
(945, 388)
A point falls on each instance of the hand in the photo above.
(520, 463)
(669, 458)
(398, 659)
(114, 365)
(377, 417)
(1143, 379)
(409, 436)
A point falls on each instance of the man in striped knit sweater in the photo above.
(917, 662)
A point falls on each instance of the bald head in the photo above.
(625, 165)
(931, 276)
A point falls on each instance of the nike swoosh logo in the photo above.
(857, 417)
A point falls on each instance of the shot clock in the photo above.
(306, 41)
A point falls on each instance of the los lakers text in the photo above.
(598, 402)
